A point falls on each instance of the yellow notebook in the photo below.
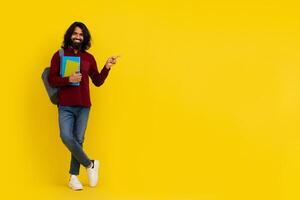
(71, 67)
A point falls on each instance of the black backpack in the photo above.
(52, 91)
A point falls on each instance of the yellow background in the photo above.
(204, 102)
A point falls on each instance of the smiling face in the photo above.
(77, 38)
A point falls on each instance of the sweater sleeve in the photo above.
(97, 78)
(54, 78)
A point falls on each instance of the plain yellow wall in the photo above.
(204, 102)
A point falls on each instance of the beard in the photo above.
(76, 45)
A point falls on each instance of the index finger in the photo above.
(115, 57)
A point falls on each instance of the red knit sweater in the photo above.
(76, 95)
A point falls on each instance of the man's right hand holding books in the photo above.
(75, 78)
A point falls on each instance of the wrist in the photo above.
(107, 67)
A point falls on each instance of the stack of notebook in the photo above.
(70, 65)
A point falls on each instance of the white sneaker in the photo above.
(93, 174)
(74, 183)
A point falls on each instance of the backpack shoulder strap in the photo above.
(61, 52)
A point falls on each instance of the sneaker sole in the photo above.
(75, 189)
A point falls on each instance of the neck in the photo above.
(74, 49)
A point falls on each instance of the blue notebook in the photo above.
(70, 65)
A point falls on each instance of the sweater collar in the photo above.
(71, 50)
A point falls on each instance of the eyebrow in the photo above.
(77, 33)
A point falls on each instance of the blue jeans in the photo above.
(72, 123)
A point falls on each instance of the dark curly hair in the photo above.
(86, 43)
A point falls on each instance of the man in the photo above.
(74, 101)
